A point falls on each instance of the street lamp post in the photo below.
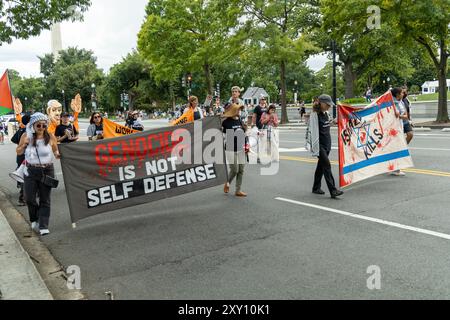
(334, 79)
(42, 102)
(296, 92)
(94, 104)
(189, 80)
(64, 99)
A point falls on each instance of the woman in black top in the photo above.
(235, 147)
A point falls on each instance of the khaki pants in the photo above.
(237, 161)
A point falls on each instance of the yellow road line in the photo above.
(411, 170)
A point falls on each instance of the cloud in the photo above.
(109, 29)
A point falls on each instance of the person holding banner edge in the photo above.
(319, 129)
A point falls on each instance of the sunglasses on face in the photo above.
(97, 117)
(41, 126)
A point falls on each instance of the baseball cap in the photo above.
(326, 99)
(65, 114)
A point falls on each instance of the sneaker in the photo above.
(319, 191)
(35, 226)
(336, 193)
(241, 194)
(44, 232)
(398, 173)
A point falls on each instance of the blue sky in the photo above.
(109, 29)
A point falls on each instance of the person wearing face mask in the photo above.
(66, 132)
(320, 145)
(40, 148)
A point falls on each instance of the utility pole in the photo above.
(334, 78)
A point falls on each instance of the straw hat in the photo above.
(232, 111)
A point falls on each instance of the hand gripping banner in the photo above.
(107, 175)
(371, 141)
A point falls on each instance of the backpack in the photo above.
(18, 135)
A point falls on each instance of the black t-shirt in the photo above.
(324, 131)
(235, 136)
(99, 129)
(197, 115)
(61, 131)
(259, 111)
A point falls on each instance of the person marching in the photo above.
(40, 148)
(256, 121)
(66, 132)
(235, 147)
(235, 97)
(95, 129)
(402, 114)
(319, 142)
(193, 107)
(270, 122)
(20, 158)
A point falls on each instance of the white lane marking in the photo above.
(288, 150)
(439, 136)
(431, 149)
(336, 148)
(380, 221)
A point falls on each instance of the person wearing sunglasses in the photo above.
(40, 149)
(95, 129)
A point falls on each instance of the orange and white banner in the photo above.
(114, 130)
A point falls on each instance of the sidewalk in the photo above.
(19, 278)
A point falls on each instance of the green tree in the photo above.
(74, 72)
(23, 19)
(182, 36)
(29, 90)
(424, 22)
(367, 54)
(277, 29)
(132, 76)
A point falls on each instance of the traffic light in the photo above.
(189, 78)
(183, 82)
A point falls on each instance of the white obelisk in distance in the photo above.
(56, 40)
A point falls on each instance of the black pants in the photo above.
(324, 169)
(32, 186)
(20, 160)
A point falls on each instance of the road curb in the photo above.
(51, 272)
(19, 278)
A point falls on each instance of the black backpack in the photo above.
(18, 135)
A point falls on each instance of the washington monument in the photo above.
(56, 40)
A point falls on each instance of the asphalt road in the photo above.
(207, 245)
